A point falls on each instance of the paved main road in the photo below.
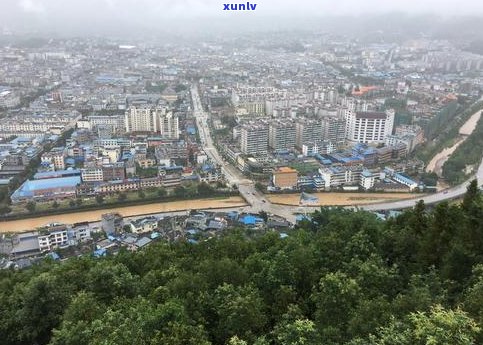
(447, 194)
(258, 201)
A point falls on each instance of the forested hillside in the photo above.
(343, 278)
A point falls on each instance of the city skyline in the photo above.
(126, 17)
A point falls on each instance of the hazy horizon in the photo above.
(110, 17)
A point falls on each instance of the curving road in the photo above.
(257, 200)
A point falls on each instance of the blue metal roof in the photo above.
(250, 219)
(55, 174)
(100, 252)
(28, 188)
(404, 178)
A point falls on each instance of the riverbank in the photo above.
(341, 199)
(127, 211)
(438, 159)
(437, 162)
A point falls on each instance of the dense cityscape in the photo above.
(114, 149)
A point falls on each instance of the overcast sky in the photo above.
(152, 13)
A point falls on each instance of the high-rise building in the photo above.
(281, 134)
(169, 126)
(143, 118)
(254, 139)
(333, 129)
(369, 127)
(148, 118)
(307, 131)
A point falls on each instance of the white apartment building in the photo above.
(320, 146)
(143, 118)
(368, 180)
(53, 238)
(254, 139)
(169, 126)
(59, 235)
(146, 118)
(115, 123)
(92, 175)
(56, 157)
(369, 127)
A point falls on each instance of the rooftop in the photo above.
(28, 188)
(286, 170)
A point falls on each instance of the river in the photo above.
(128, 211)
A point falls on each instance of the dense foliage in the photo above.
(440, 121)
(443, 129)
(468, 153)
(343, 278)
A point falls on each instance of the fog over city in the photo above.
(116, 16)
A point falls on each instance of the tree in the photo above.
(122, 197)
(439, 326)
(335, 300)
(298, 332)
(191, 190)
(204, 189)
(31, 205)
(42, 303)
(429, 179)
(239, 311)
(162, 192)
(236, 341)
(295, 329)
(472, 196)
(179, 191)
(5, 209)
(81, 312)
(141, 194)
(473, 210)
(109, 281)
(419, 220)
(263, 215)
(99, 199)
(179, 88)
(259, 187)
(55, 204)
(72, 203)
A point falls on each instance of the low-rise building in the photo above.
(285, 178)
(340, 175)
(143, 225)
(53, 236)
(92, 175)
(368, 180)
(112, 223)
(46, 189)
